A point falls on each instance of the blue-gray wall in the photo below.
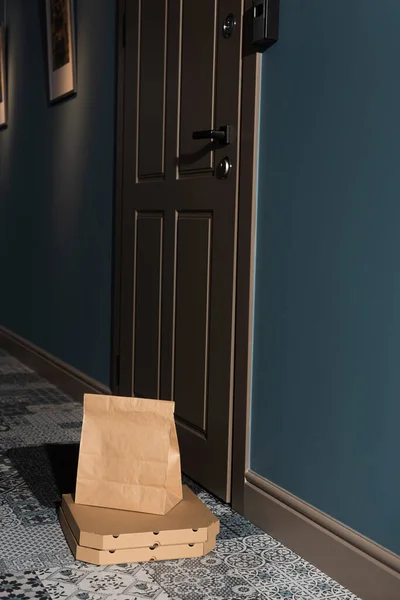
(326, 381)
(56, 191)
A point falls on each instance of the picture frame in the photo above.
(61, 49)
(3, 79)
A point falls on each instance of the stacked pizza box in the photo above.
(106, 536)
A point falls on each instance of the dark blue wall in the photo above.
(326, 382)
(56, 191)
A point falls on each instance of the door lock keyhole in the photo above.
(224, 168)
(229, 26)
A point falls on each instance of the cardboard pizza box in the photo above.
(189, 522)
(135, 555)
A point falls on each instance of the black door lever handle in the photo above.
(222, 135)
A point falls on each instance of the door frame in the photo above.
(248, 153)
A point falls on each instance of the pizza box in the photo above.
(189, 522)
(135, 555)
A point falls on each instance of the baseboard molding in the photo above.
(64, 376)
(367, 569)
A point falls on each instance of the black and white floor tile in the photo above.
(39, 436)
(22, 586)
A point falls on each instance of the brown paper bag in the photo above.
(129, 456)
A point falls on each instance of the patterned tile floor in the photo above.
(39, 432)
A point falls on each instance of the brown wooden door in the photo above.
(179, 222)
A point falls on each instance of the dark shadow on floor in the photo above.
(48, 471)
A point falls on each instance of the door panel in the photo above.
(198, 62)
(152, 81)
(192, 322)
(179, 223)
(147, 300)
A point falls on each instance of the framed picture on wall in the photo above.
(3, 91)
(61, 48)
